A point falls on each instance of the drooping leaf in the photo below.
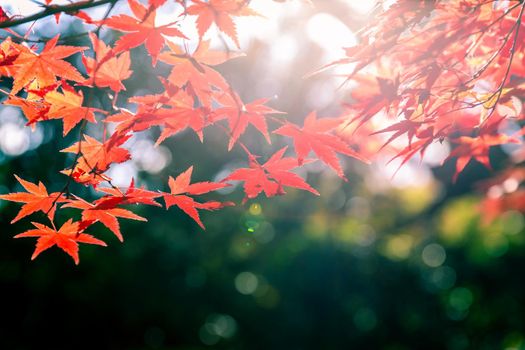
(105, 211)
(181, 189)
(270, 177)
(66, 238)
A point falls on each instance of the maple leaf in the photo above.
(219, 12)
(156, 3)
(476, 148)
(180, 115)
(46, 66)
(132, 195)
(9, 52)
(96, 157)
(270, 177)
(3, 15)
(35, 109)
(107, 69)
(314, 137)
(180, 118)
(240, 115)
(407, 126)
(181, 189)
(68, 107)
(373, 95)
(105, 211)
(195, 70)
(141, 30)
(36, 199)
(143, 119)
(66, 238)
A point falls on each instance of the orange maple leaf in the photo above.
(107, 69)
(36, 199)
(46, 66)
(68, 107)
(34, 108)
(96, 157)
(219, 12)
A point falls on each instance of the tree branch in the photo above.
(54, 9)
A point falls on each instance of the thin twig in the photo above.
(54, 9)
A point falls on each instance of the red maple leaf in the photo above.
(96, 157)
(131, 195)
(194, 70)
(314, 136)
(3, 15)
(141, 30)
(181, 118)
(107, 69)
(476, 148)
(105, 211)
(270, 177)
(219, 12)
(181, 189)
(66, 238)
(240, 115)
(179, 115)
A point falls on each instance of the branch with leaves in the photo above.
(421, 68)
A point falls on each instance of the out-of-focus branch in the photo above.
(54, 9)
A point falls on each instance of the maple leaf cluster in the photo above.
(46, 86)
(436, 71)
(426, 71)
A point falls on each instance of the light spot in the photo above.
(510, 185)
(255, 209)
(14, 139)
(514, 222)
(246, 283)
(265, 233)
(149, 158)
(434, 255)
(398, 247)
(217, 326)
(121, 174)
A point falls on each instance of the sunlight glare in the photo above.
(330, 33)
(284, 49)
(362, 6)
